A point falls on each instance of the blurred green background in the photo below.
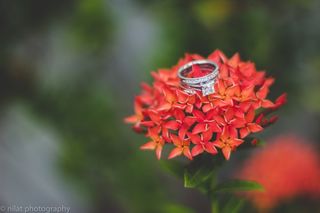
(69, 71)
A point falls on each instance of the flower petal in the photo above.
(189, 120)
(175, 152)
(199, 115)
(267, 103)
(250, 115)
(214, 127)
(165, 107)
(174, 125)
(169, 95)
(236, 142)
(210, 148)
(182, 96)
(150, 145)
(182, 131)
(229, 114)
(244, 132)
(200, 127)
(281, 100)
(226, 152)
(216, 56)
(179, 114)
(195, 138)
(196, 150)
(219, 120)
(254, 127)
(154, 116)
(234, 60)
(158, 152)
(207, 135)
(131, 119)
(187, 153)
(218, 144)
(176, 140)
(165, 135)
(189, 108)
(147, 123)
(207, 107)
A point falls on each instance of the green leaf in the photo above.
(201, 175)
(237, 186)
(234, 205)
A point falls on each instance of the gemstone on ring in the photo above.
(208, 88)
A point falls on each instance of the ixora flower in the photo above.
(220, 117)
(287, 167)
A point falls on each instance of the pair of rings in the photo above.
(205, 84)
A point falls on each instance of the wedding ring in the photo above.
(205, 84)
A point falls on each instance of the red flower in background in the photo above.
(193, 122)
(287, 167)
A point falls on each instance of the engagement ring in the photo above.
(205, 84)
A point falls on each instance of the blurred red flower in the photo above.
(287, 167)
(204, 123)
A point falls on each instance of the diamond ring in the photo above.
(205, 84)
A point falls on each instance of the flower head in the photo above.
(287, 167)
(193, 123)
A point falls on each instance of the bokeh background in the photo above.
(69, 71)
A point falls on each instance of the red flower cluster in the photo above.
(194, 123)
(287, 167)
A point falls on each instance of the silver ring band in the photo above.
(204, 83)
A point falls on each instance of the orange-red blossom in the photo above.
(194, 124)
(287, 167)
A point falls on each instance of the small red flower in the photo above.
(187, 122)
(227, 142)
(224, 93)
(137, 117)
(182, 147)
(202, 143)
(156, 143)
(250, 126)
(230, 122)
(205, 122)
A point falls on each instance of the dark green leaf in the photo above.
(237, 186)
(192, 180)
(234, 205)
(201, 171)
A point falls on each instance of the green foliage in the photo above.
(91, 25)
(202, 173)
(194, 179)
(237, 186)
(91, 155)
(175, 208)
(231, 204)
